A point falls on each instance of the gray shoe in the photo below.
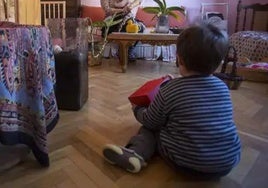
(123, 157)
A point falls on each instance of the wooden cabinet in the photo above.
(73, 8)
(20, 11)
(28, 12)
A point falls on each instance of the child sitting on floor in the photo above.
(190, 122)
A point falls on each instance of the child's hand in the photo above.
(170, 76)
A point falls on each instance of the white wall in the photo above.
(191, 3)
(90, 2)
(145, 2)
(193, 7)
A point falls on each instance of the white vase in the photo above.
(162, 24)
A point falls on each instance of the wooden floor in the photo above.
(76, 142)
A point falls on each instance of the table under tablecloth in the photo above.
(28, 108)
(250, 44)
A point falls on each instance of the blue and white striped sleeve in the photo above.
(153, 117)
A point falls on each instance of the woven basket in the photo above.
(231, 79)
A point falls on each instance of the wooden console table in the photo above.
(127, 39)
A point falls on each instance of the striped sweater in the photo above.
(195, 118)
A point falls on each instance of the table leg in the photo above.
(123, 55)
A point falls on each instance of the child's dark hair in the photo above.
(202, 48)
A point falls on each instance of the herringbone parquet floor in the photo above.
(76, 142)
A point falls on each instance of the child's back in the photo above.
(200, 133)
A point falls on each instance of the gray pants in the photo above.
(144, 143)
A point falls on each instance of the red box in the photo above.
(146, 93)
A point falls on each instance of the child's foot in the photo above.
(123, 157)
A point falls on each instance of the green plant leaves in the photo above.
(174, 8)
(106, 24)
(152, 10)
(162, 9)
(98, 24)
(162, 5)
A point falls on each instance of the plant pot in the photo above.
(162, 24)
(94, 61)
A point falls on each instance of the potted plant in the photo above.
(98, 45)
(162, 12)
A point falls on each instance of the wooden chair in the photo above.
(249, 13)
(52, 9)
(251, 40)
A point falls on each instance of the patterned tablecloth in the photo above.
(250, 44)
(28, 108)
